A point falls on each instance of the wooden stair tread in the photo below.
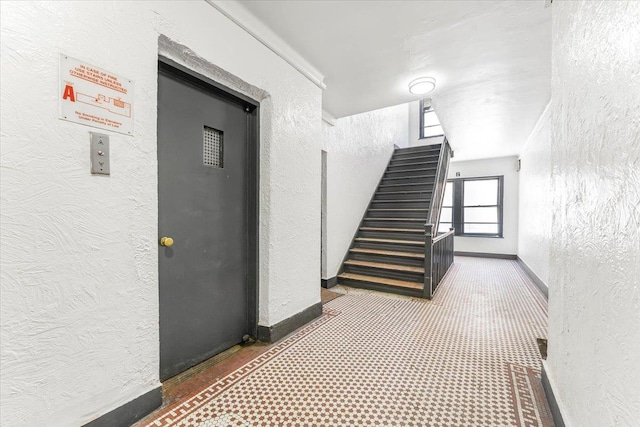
(400, 242)
(396, 219)
(405, 209)
(402, 185)
(411, 177)
(402, 201)
(413, 170)
(432, 155)
(388, 253)
(393, 230)
(383, 281)
(414, 164)
(421, 149)
(404, 192)
(385, 266)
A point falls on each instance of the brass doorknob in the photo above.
(166, 241)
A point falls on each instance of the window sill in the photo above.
(480, 235)
(429, 137)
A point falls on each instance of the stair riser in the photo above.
(402, 196)
(387, 259)
(426, 181)
(403, 161)
(396, 224)
(421, 214)
(408, 173)
(379, 287)
(424, 153)
(417, 151)
(389, 274)
(416, 164)
(390, 247)
(417, 235)
(418, 148)
(399, 205)
(399, 186)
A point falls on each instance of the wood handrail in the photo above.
(443, 235)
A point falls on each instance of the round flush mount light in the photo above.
(422, 85)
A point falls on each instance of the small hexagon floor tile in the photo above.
(469, 358)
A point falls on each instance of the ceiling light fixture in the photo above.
(422, 85)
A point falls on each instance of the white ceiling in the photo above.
(491, 60)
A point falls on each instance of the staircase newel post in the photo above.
(428, 260)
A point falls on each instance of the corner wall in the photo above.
(594, 289)
(506, 166)
(79, 267)
(534, 223)
(358, 151)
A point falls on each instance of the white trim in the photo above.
(242, 17)
(328, 118)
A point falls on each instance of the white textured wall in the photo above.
(79, 253)
(594, 289)
(358, 151)
(505, 166)
(534, 222)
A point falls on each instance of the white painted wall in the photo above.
(594, 289)
(414, 113)
(79, 254)
(505, 166)
(534, 221)
(358, 151)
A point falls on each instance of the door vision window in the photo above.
(212, 147)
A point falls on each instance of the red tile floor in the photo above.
(469, 357)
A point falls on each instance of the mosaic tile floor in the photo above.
(467, 358)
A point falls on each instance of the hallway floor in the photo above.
(469, 357)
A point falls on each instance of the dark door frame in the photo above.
(252, 108)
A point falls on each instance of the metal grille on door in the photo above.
(212, 148)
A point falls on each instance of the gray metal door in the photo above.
(203, 218)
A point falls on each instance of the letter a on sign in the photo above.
(68, 93)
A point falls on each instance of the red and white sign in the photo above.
(95, 97)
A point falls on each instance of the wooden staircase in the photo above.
(388, 251)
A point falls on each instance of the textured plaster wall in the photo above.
(358, 151)
(79, 306)
(594, 289)
(505, 166)
(534, 222)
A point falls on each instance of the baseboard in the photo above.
(538, 281)
(131, 411)
(281, 329)
(486, 255)
(329, 283)
(558, 419)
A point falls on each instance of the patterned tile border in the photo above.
(174, 413)
(528, 397)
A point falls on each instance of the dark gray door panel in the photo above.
(204, 275)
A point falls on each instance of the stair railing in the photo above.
(438, 249)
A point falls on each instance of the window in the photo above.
(473, 206)
(446, 214)
(429, 123)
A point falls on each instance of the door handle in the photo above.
(166, 241)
